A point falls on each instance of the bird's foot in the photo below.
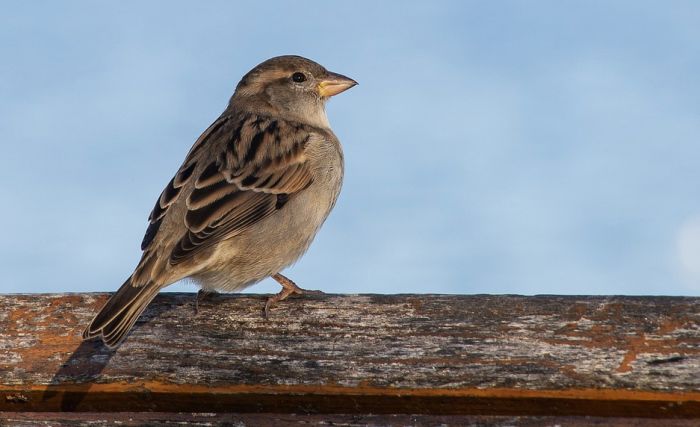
(201, 295)
(288, 288)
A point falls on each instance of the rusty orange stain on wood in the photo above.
(642, 344)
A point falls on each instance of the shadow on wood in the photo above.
(74, 367)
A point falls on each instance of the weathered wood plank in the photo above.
(73, 419)
(425, 354)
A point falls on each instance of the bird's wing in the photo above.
(261, 165)
(172, 191)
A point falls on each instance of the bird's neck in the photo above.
(310, 114)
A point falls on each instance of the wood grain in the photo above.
(360, 354)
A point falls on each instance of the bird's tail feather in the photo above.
(116, 318)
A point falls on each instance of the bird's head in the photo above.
(291, 85)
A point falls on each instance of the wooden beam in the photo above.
(72, 419)
(380, 354)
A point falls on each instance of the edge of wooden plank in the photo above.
(68, 419)
(154, 396)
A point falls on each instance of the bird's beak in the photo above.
(333, 84)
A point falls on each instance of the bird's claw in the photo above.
(288, 288)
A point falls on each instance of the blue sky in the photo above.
(491, 147)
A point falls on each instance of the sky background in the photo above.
(491, 147)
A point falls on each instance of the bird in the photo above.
(249, 197)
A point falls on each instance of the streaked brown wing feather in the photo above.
(261, 166)
(172, 191)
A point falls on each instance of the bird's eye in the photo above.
(299, 77)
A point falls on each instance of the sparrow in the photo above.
(249, 198)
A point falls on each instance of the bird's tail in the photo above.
(116, 318)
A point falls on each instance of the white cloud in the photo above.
(688, 251)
